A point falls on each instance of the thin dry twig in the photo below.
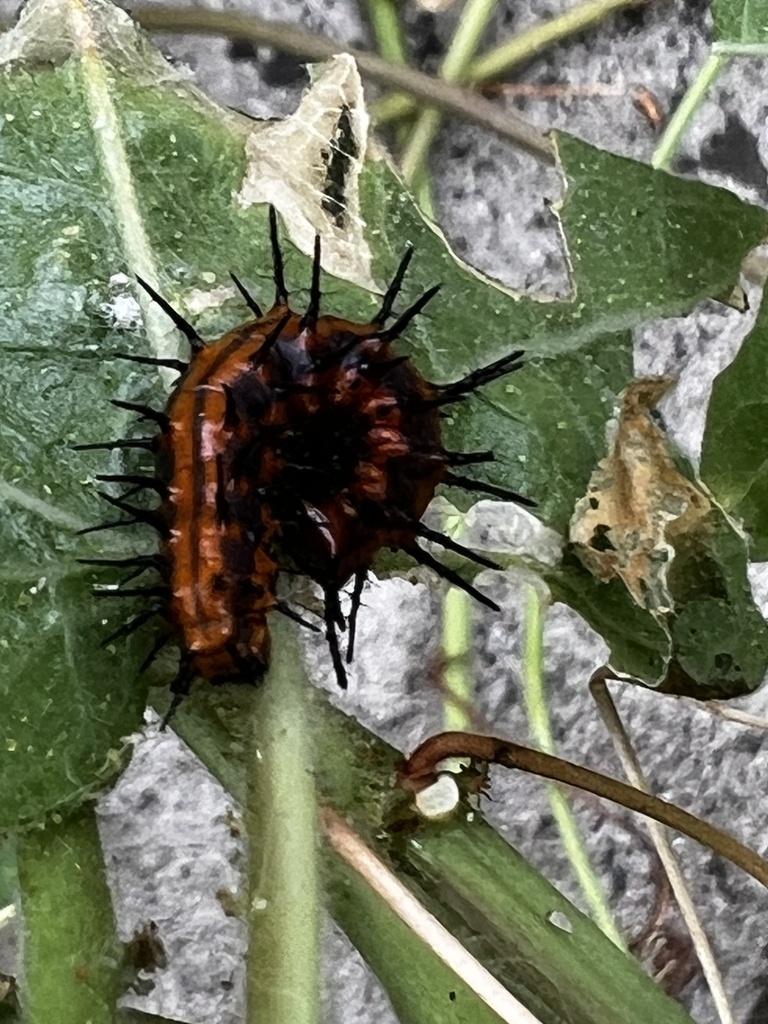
(424, 88)
(554, 90)
(421, 769)
(351, 848)
(623, 746)
(659, 942)
(720, 710)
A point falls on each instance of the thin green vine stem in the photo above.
(283, 911)
(516, 51)
(387, 30)
(734, 49)
(469, 33)
(421, 187)
(457, 649)
(390, 43)
(669, 144)
(540, 37)
(541, 732)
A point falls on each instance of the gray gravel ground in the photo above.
(165, 828)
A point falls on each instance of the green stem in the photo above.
(740, 49)
(541, 732)
(670, 141)
(414, 158)
(469, 33)
(282, 974)
(71, 954)
(390, 42)
(527, 44)
(421, 187)
(457, 647)
(521, 48)
(9, 878)
(387, 30)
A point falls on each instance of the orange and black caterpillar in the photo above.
(296, 442)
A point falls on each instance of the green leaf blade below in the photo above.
(740, 21)
(72, 959)
(64, 710)
(734, 457)
(67, 702)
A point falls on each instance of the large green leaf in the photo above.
(740, 21)
(111, 164)
(734, 457)
(71, 956)
(8, 872)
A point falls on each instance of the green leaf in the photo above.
(9, 881)
(66, 701)
(734, 457)
(740, 21)
(71, 957)
(113, 164)
(642, 244)
(546, 938)
(647, 522)
(422, 988)
(478, 886)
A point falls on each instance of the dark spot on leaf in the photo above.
(600, 540)
(723, 662)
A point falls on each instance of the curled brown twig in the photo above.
(421, 769)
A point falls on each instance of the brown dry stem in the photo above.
(420, 770)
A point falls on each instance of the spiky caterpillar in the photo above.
(297, 441)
